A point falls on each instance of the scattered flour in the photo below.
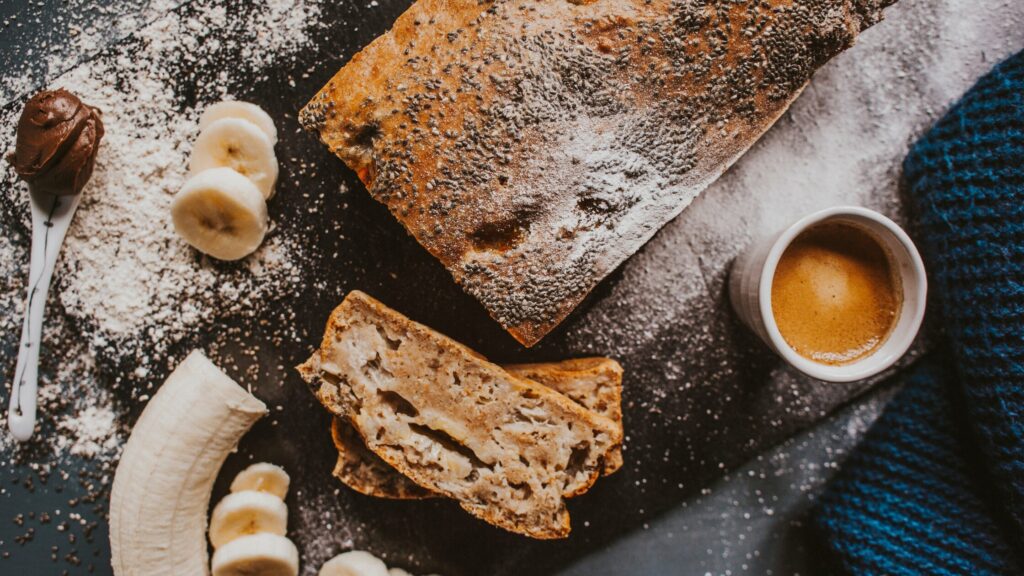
(842, 141)
(90, 432)
(79, 29)
(135, 287)
(127, 288)
(316, 532)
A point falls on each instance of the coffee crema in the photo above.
(835, 295)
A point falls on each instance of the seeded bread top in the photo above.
(533, 146)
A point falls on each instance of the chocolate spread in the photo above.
(58, 137)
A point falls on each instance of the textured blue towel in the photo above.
(937, 487)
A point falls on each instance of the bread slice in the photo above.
(594, 383)
(365, 472)
(532, 146)
(507, 449)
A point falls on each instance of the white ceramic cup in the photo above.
(750, 289)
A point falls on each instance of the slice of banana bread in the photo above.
(507, 449)
(594, 383)
(365, 472)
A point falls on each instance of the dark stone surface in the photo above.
(735, 400)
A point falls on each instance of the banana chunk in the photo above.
(243, 111)
(240, 145)
(257, 554)
(247, 512)
(355, 563)
(263, 477)
(162, 486)
(221, 213)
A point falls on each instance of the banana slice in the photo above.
(247, 512)
(355, 563)
(242, 110)
(237, 144)
(221, 213)
(262, 554)
(262, 477)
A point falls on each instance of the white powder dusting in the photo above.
(79, 29)
(134, 284)
(281, 26)
(89, 432)
(842, 142)
(127, 287)
(317, 531)
(77, 417)
(12, 254)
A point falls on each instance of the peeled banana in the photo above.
(243, 110)
(262, 477)
(247, 512)
(256, 555)
(240, 145)
(162, 485)
(220, 213)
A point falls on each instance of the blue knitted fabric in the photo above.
(937, 487)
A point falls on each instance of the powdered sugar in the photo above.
(88, 433)
(128, 289)
(79, 29)
(317, 531)
(135, 286)
(77, 418)
(664, 314)
(842, 142)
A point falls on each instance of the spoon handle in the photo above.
(51, 216)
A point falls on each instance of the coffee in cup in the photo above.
(836, 295)
(839, 294)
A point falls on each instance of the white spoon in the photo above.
(51, 216)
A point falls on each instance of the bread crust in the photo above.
(508, 449)
(533, 146)
(594, 383)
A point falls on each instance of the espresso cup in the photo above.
(753, 274)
